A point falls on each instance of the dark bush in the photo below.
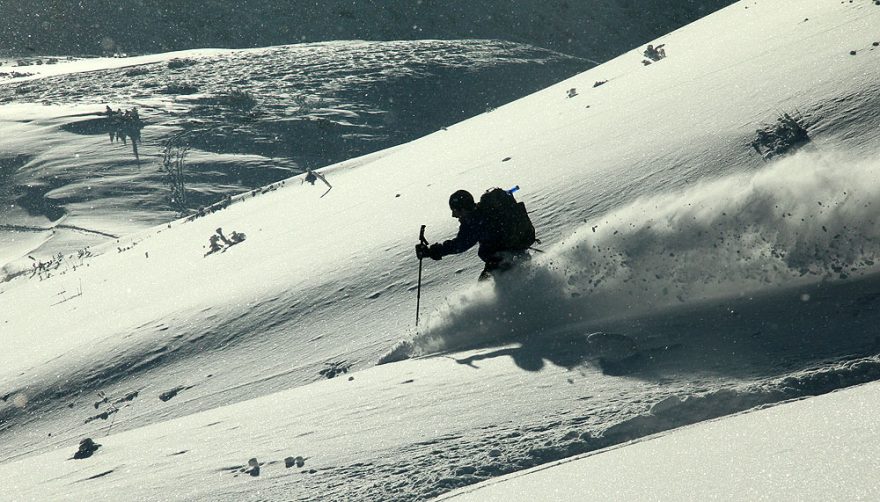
(137, 70)
(179, 88)
(180, 63)
(785, 136)
(237, 98)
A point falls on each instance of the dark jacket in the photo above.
(473, 229)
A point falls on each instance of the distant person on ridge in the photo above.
(499, 223)
(655, 53)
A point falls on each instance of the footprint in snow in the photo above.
(86, 448)
(99, 475)
(334, 369)
(294, 461)
(253, 467)
(169, 394)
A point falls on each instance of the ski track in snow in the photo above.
(464, 456)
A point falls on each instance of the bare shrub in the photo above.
(173, 163)
(240, 99)
(180, 63)
(786, 135)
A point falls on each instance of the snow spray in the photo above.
(803, 220)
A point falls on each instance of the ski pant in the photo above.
(502, 262)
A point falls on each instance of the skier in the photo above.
(499, 223)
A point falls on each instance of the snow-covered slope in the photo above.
(740, 281)
(598, 29)
(73, 177)
(806, 450)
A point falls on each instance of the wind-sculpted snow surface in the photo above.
(801, 221)
(313, 104)
(589, 28)
(247, 118)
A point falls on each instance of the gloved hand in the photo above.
(433, 251)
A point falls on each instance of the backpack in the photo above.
(507, 221)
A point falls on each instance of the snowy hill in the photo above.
(243, 118)
(740, 267)
(587, 28)
(807, 450)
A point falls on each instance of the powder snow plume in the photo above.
(806, 218)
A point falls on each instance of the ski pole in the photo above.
(422, 240)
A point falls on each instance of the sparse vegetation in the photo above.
(180, 63)
(240, 99)
(137, 70)
(305, 105)
(179, 88)
(784, 136)
(173, 162)
(334, 368)
(36, 61)
(219, 242)
(14, 74)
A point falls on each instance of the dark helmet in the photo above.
(462, 200)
